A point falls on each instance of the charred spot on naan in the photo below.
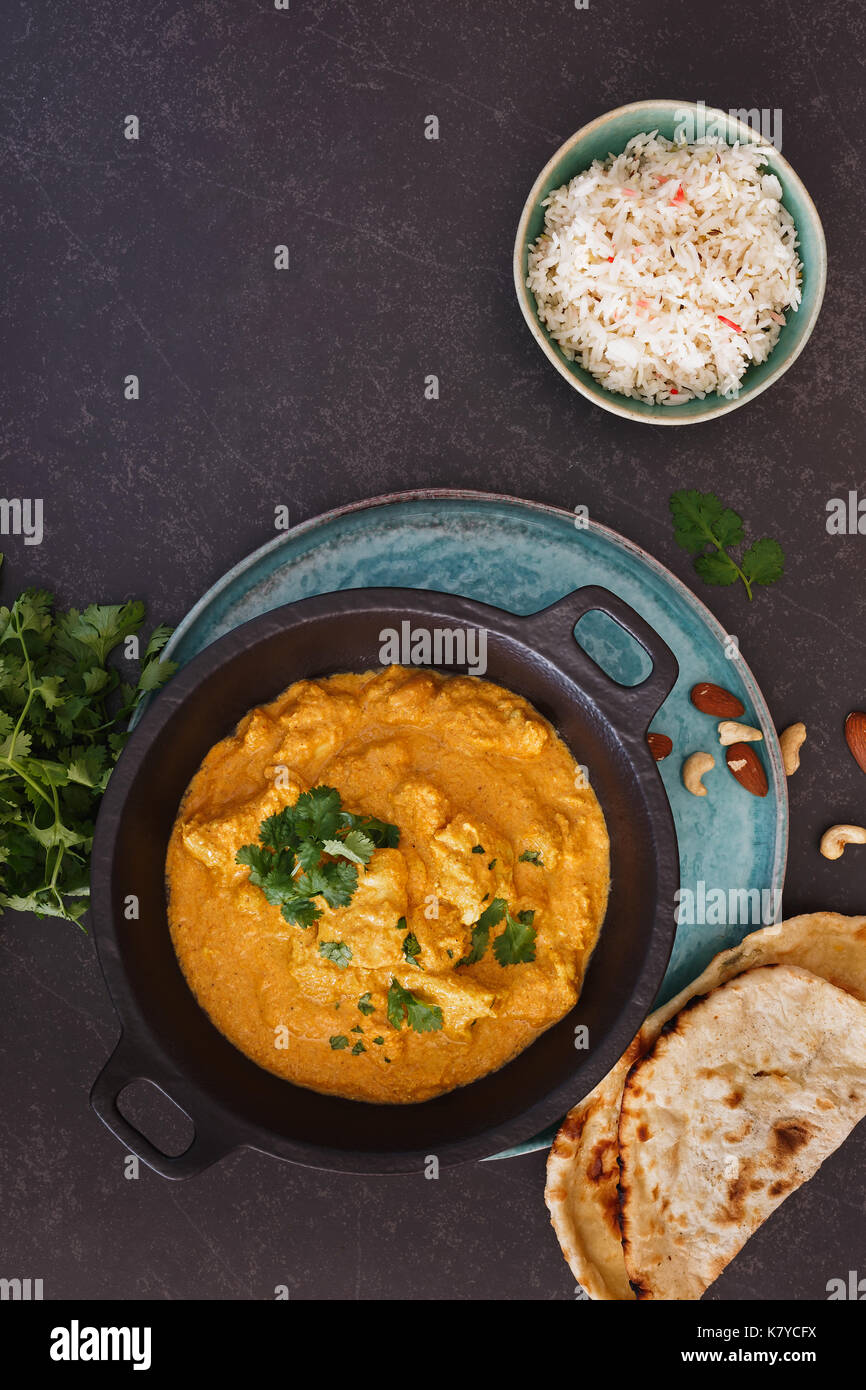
(789, 1136)
(739, 1187)
(571, 1131)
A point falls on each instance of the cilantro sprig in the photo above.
(337, 952)
(516, 945)
(404, 1005)
(513, 946)
(411, 949)
(312, 850)
(709, 531)
(63, 712)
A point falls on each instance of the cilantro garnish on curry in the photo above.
(414, 847)
(310, 850)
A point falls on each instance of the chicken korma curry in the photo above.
(386, 885)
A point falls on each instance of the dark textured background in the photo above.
(261, 127)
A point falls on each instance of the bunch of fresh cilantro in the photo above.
(311, 850)
(709, 531)
(63, 711)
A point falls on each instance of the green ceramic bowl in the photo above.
(609, 134)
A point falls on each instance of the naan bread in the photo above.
(741, 1099)
(583, 1170)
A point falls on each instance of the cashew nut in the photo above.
(790, 742)
(694, 768)
(732, 732)
(834, 840)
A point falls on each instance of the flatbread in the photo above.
(743, 1096)
(583, 1171)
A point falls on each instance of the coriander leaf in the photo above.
(396, 1008)
(699, 518)
(57, 834)
(764, 562)
(358, 1048)
(531, 856)
(356, 847)
(17, 745)
(337, 952)
(338, 1042)
(477, 849)
(423, 1018)
(493, 913)
(278, 883)
(516, 945)
(411, 948)
(158, 639)
(490, 917)
(86, 765)
(257, 859)
(335, 848)
(96, 679)
(48, 691)
(102, 626)
(42, 904)
(365, 1004)
(154, 675)
(717, 569)
(309, 855)
(300, 912)
(317, 814)
(278, 831)
(700, 521)
(478, 945)
(382, 833)
(340, 882)
(403, 1004)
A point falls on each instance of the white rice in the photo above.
(645, 255)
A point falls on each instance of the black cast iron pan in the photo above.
(168, 1039)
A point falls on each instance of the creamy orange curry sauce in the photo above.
(489, 804)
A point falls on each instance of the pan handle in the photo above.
(122, 1068)
(553, 629)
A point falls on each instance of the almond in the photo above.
(747, 767)
(715, 700)
(660, 746)
(855, 735)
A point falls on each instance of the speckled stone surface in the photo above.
(305, 127)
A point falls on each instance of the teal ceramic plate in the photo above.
(609, 134)
(522, 556)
